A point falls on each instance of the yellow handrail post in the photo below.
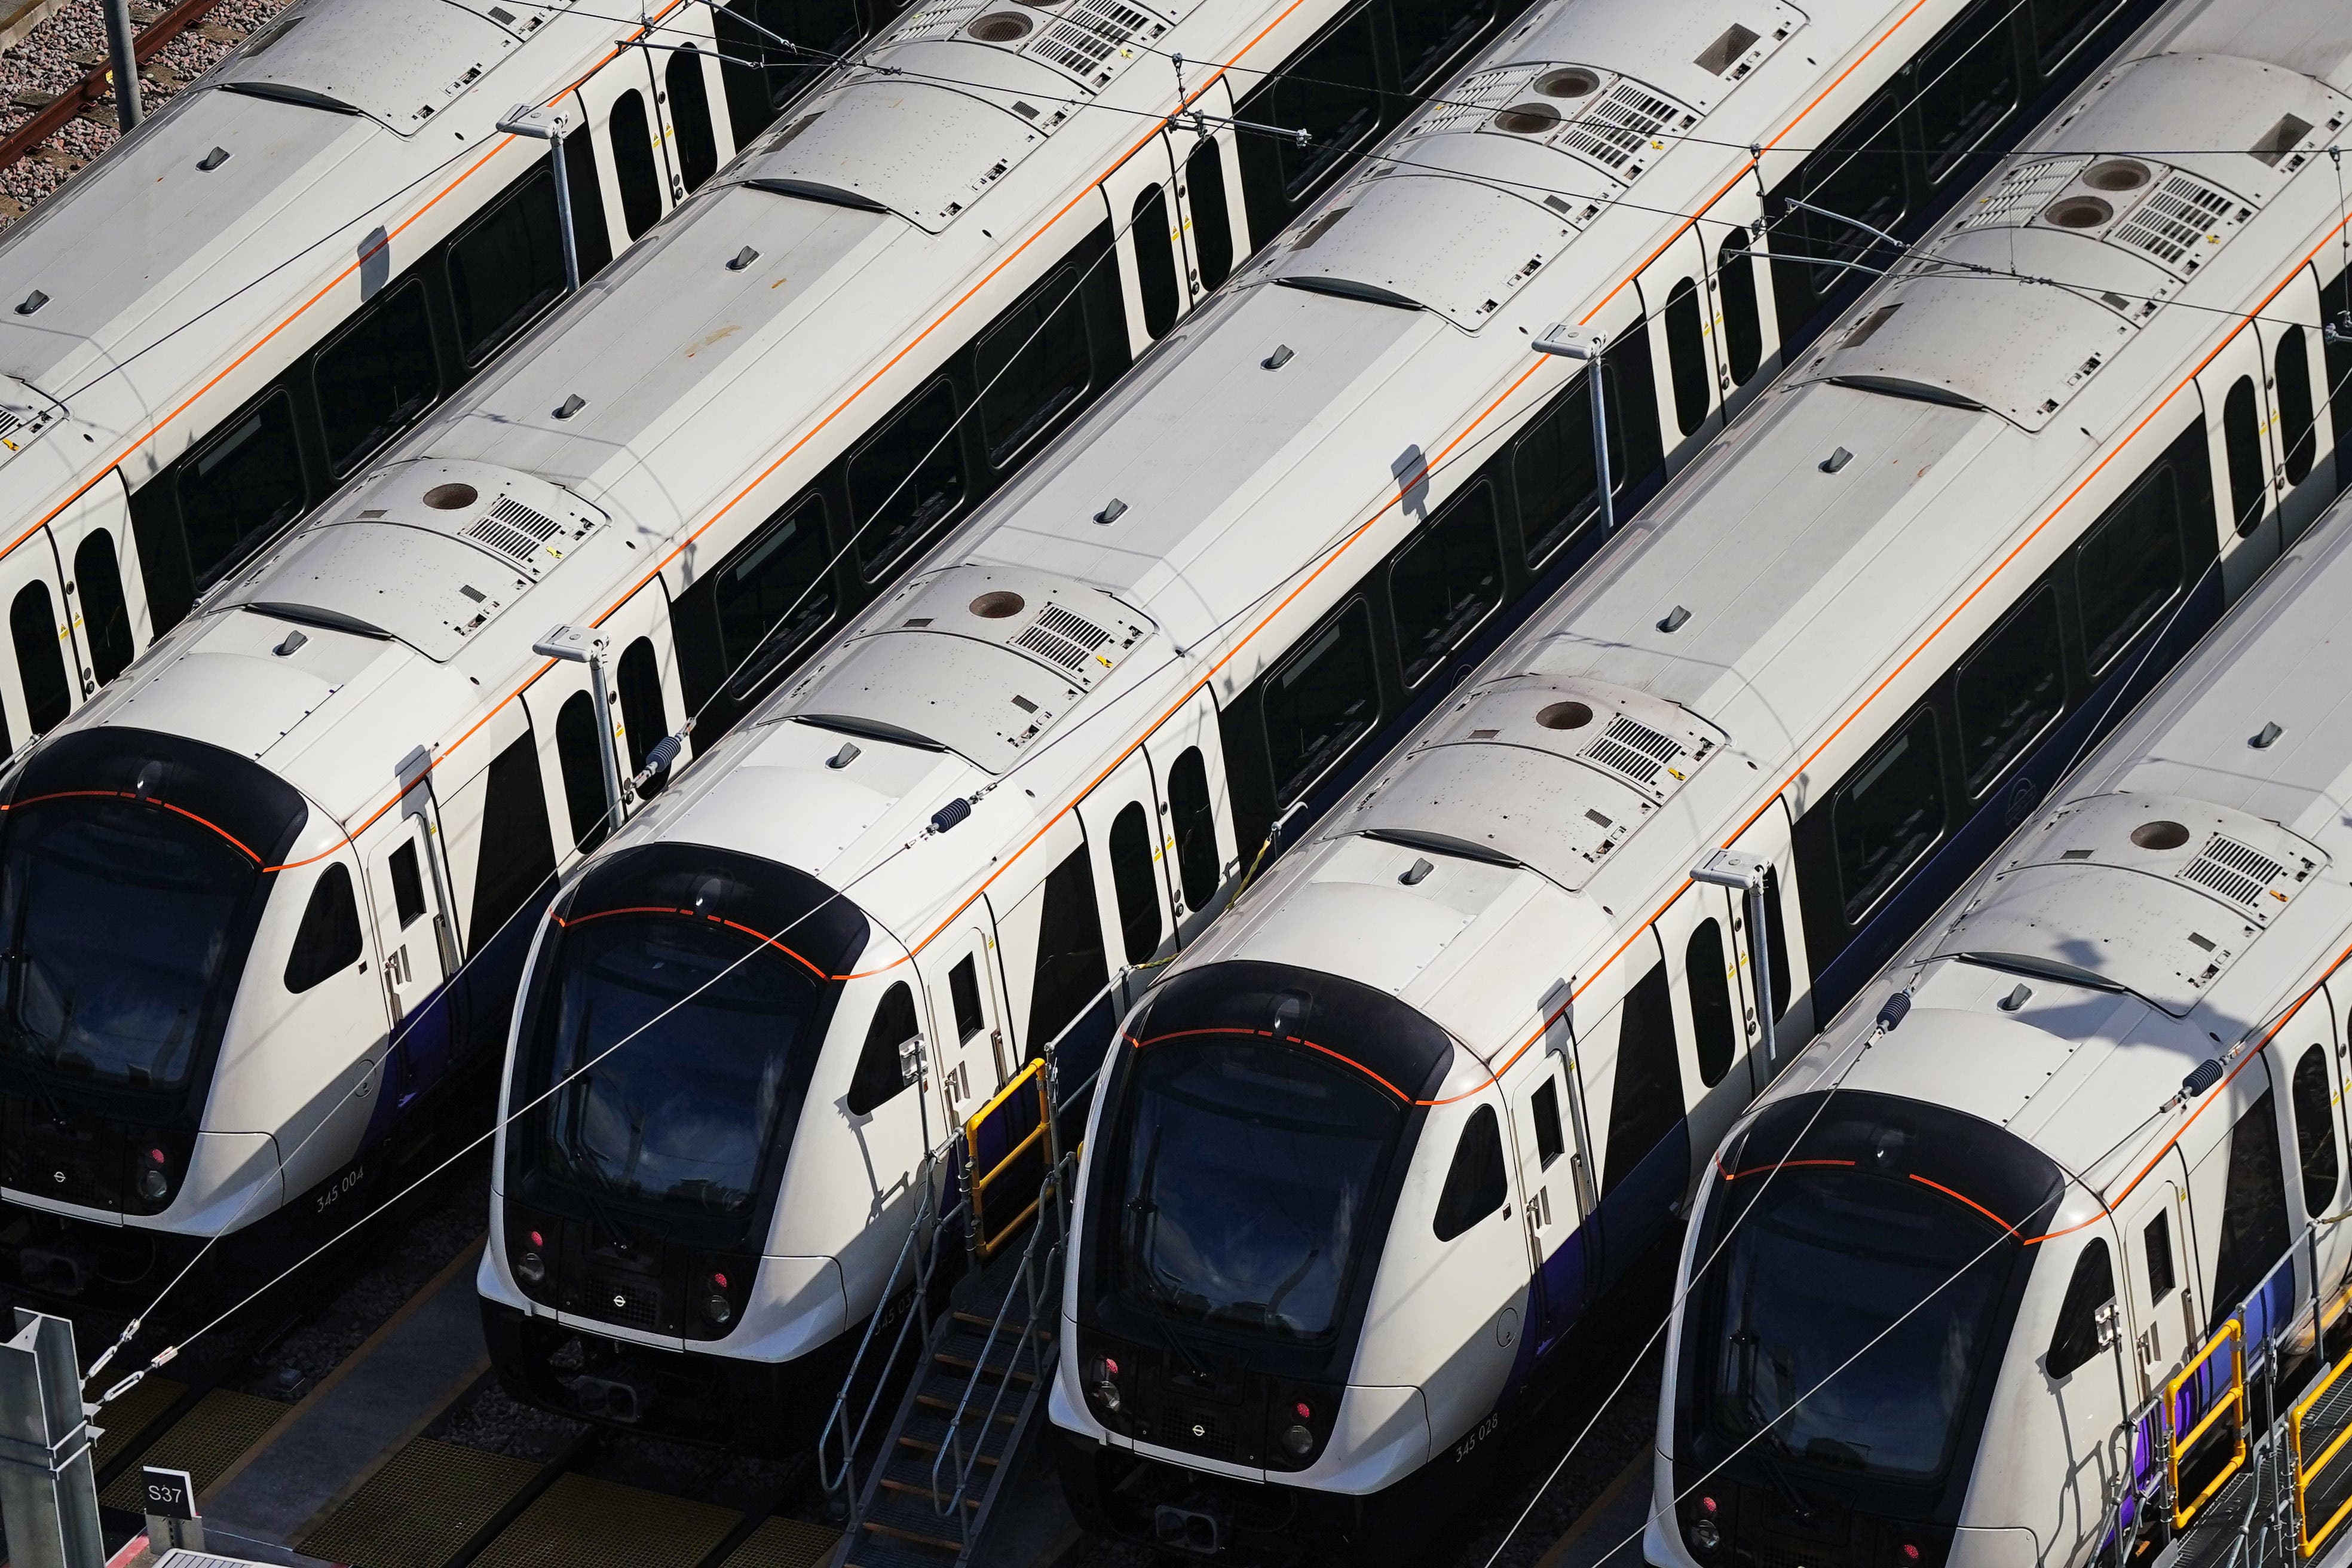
(2234, 1333)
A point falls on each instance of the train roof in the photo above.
(163, 259)
(1791, 573)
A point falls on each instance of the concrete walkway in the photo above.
(361, 1414)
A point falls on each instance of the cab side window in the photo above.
(2093, 1286)
(880, 1077)
(327, 940)
(1475, 1184)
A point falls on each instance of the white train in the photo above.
(268, 893)
(1041, 765)
(229, 315)
(2021, 1167)
(1370, 1152)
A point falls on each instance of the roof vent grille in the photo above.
(1063, 637)
(2024, 192)
(1079, 630)
(8, 421)
(2171, 224)
(1633, 749)
(1615, 130)
(1470, 102)
(2234, 870)
(1083, 40)
(514, 529)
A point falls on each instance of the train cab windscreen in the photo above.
(134, 871)
(1258, 1126)
(673, 1023)
(1866, 1265)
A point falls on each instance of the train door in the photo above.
(573, 747)
(2296, 371)
(1632, 1080)
(690, 101)
(2314, 1075)
(1786, 968)
(1128, 841)
(2238, 425)
(408, 895)
(1200, 856)
(1211, 218)
(1739, 285)
(620, 114)
(103, 584)
(1142, 212)
(2238, 1194)
(1703, 966)
(967, 1041)
(647, 701)
(44, 690)
(1552, 1194)
(2076, 1336)
(1676, 298)
(2160, 1286)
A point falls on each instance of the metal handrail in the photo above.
(922, 1226)
(2305, 1474)
(2233, 1332)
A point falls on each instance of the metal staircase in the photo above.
(968, 1379)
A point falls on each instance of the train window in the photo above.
(689, 116)
(2155, 1242)
(1971, 76)
(1645, 1101)
(376, 378)
(2075, 1339)
(2060, 25)
(105, 613)
(880, 1078)
(518, 859)
(1213, 218)
(1135, 881)
(1552, 464)
(240, 487)
(1194, 818)
(774, 593)
(1033, 365)
(643, 718)
(1445, 580)
(1430, 33)
(1476, 1184)
(2010, 688)
(1071, 966)
(2336, 358)
(2241, 443)
(1775, 941)
(407, 885)
(2315, 1131)
(762, 71)
(1859, 175)
(906, 478)
(1743, 318)
(963, 991)
(1323, 699)
(576, 742)
(634, 169)
(1708, 972)
(1543, 1109)
(1888, 814)
(1329, 96)
(39, 643)
(507, 265)
(1693, 380)
(328, 941)
(592, 235)
(2297, 427)
(2129, 565)
(2253, 1210)
(1155, 262)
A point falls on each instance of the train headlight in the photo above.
(1705, 1535)
(1102, 1383)
(530, 1267)
(1297, 1440)
(153, 1184)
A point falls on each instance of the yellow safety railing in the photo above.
(2233, 1332)
(2306, 1473)
(997, 1138)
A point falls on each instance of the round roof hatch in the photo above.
(1002, 28)
(2159, 834)
(2117, 174)
(1527, 118)
(451, 497)
(2077, 212)
(1568, 81)
(1565, 716)
(998, 605)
